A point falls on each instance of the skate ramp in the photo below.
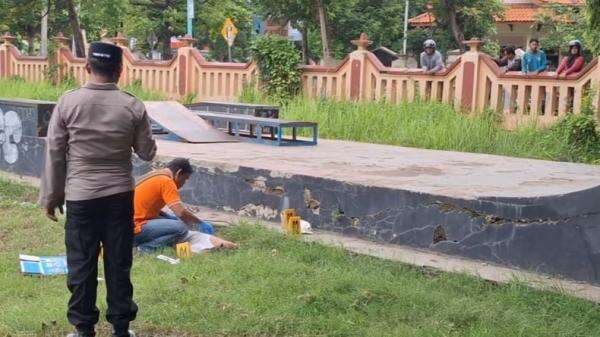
(184, 124)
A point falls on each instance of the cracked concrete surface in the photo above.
(484, 270)
(539, 230)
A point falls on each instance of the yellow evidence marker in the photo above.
(286, 214)
(184, 250)
(294, 225)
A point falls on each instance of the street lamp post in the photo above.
(190, 16)
(405, 27)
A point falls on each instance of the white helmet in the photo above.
(429, 44)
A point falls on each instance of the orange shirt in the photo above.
(152, 193)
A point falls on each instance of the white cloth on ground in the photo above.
(198, 241)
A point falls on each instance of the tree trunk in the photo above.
(30, 36)
(165, 41)
(323, 27)
(457, 33)
(304, 31)
(75, 27)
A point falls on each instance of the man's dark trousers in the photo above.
(107, 221)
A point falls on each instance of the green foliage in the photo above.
(21, 17)
(18, 88)
(442, 37)
(563, 23)
(474, 18)
(593, 13)
(491, 47)
(275, 286)
(168, 18)
(579, 137)
(382, 20)
(437, 126)
(278, 62)
(96, 16)
(211, 14)
(161, 18)
(189, 98)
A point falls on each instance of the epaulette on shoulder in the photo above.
(73, 90)
(128, 93)
(70, 91)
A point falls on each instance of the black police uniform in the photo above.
(91, 135)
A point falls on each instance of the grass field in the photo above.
(18, 88)
(277, 286)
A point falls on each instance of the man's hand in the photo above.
(51, 212)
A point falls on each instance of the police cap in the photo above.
(106, 53)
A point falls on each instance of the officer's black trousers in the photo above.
(107, 221)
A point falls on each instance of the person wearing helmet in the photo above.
(573, 63)
(431, 59)
(534, 61)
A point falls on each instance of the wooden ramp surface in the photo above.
(185, 124)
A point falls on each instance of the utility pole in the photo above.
(190, 16)
(405, 27)
(44, 31)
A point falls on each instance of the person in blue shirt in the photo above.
(534, 61)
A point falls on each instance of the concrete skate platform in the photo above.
(535, 215)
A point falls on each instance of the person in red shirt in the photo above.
(574, 62)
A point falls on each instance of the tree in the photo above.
(163, 18)
(563, 23)
(593, 7)
(382, 20)
(466, 19)
(23, 18)
(106, 15)
(303, 13)
(298, 12)
(75, 28)
(324, 27)
(593, 14)
(209, 20)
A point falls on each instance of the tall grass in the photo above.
(18, 88)
(427, 125)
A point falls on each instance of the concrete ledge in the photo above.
(548, 234)
(447, 263)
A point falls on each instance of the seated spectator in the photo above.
(574, 62)
(534, 61)
(153, 229)
(431, 59)
(510, 62)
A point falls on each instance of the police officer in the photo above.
(91, 135)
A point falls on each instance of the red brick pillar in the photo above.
(470, 67)
(183, 64)
(5, 54)
(357, 59)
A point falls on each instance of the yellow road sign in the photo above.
(229, 31)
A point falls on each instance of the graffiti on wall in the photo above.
(11, 132)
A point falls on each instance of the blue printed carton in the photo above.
(43, 265)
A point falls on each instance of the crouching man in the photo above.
(154, 229)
